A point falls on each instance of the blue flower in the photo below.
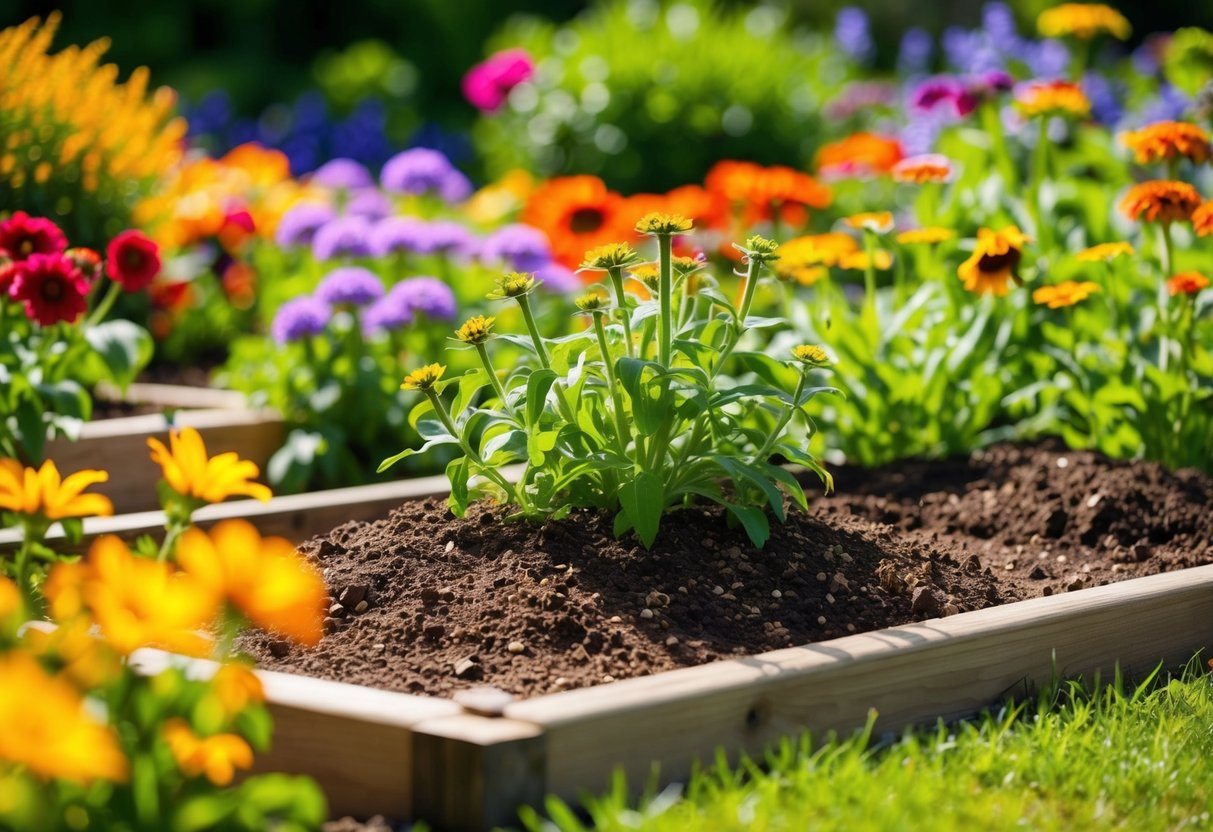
(298, 225)
(342, 174)
(853, 34)
(1106, 105)
(300, 318)
(914, 55)
(427, 295)
(342, 237)
(519, 247)
(351, 285)
(424, 171)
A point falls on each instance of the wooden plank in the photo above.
(945, 668)
(174, 396)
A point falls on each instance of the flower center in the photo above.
(132, 259)
(25, 248)
(993, 263)
(585, 220)
(52, 290)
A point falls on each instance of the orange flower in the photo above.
(578, 213)
(925, 236)
(805, 259)
(235, 687)
(1160, 200)
(1066, 293)
(189, 471)
(859, 260)
(497, 200)
(1167, 140)
(994, 261)
(1052, 98)
(707, 209)
(761, 191)
(1186, 283)
(1106, 252)
(1083, 21)
(929, 167)
(265, 579)
(1202, 219)
(216, 756)
(72, 647)
(860, 154)
(878, 222)
(44, 493)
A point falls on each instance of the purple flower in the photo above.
(943, 91)
(299, 225)
(914, 55)
(521, 247)
(989, 83)
(300, 318)
(398, 234)
(350, 285)
(449, 239)
(858, 96)
(386, 314)
(427, 295)
(1046, 58)
(1105, 100)
(425, 171)
(556, 278)
(342, 237)
(369, 203)
(1168, 105)
(487, 84)
(999, 22)
(853, 34)
(342, 174)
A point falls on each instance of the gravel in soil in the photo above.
(426, 603)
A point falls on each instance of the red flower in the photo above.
(86, 260)
(8, 270)
(51, 288)
(22, 235)
(133, 260)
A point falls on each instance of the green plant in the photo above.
(635, 425)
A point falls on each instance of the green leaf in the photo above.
(642, 501)
(124, 349)
(433, 442)
(457, 473)
(739, 472)
(537, 387)
(652, 403)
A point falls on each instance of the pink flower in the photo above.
(51, 288)
(133, 260)
(487, 84)
(22, 235)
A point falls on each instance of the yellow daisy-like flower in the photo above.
(217, 757)
(1053, 98)
(43, 492)
(45, 726)
(687, 265)
(513, 285)
(1066, 293)
(1202, 219)
(859, 260)
(816, 250)
(475, 330)
(1083, 21)
(1160, 201)
(994, 261)
(878, 222)
(191, 473)
(423, 378)
(811, 354)
(234, 687)
(1107, 252)
(10, 599)
(611, 255)
(658, 223)
(648, 274)
(761, 249)
(590, 302)
(925, 236)
(1167, 140)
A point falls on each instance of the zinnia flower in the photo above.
(928, 167)
(423, 378)
(577, 213)
(265, 579)
(994, 261)
(217, 756)
(51, 289)
(191, 473)
(878, 222)
(133, 260)
(1202, 219)
(1052, 98)
(44, 493)
(349, 286)
(1066, 293)
(22, 235)
(487, 84)
(1106, 252)
(804, 258)
(475, 330)
(1186, 283)
(300, 318)
(1160, 201)
(859, 155)
(421, 171)
(1167, 140)
(657, 224)
(933, 93)
(925, 236)
(1083, 21)
(811, 354)
(760, 191)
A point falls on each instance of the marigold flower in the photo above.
(513, 285)
(1066, 293)
(1167, 140)
(51, 289)
(44, 493)
(925, 236)
(234, 687)
(760, 192)
(577, 213)
(994, 261)
(264, 578)
(878, 222)
(423, 378)
(811, 354)
(475, 330)
(190, 473)
(1106, 252)
(1186, 283)
(1202, 219)
(657, 223)
(1160, 201)
(22, 235)
(1052, 98)
(860, 154)
(46, 726)
(928, 167)
(1083, 21)
(217, 757)
(132, 260)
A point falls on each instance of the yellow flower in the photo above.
(475, 330)
(216, 756)
(925, 236)
(45, 726)
(811, 354)
(609, 256)
(1167, 140)
(513, 285)
(1106, 252)
(1083, 21)
(135, 602)
(648, 274)
(423, 378)
(659, 223)
(44, 493)
(497, 200)
(994, 261)
(880, 259)
(10, 599)
(590, 302)
(816, 250)
(189, 471)
(1160, 201)
(761, 249)
(73, 648)
(264, 578)
(687, 265)
(878, 222)
(235, 687)
(1066, 293)
(929, 167)
(1053, 98)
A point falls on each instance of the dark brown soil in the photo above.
(425, 603)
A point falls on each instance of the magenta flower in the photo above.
(940, 92)
(487, 84)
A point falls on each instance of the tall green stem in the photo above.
(623, 433)
(1168, 266)
(765, 450)
(665, 299)
(515, 494)
(107, 303)
(621, 301)
(869, 278)
(747, 298)
(1040, 171)
(483, 352)
(992, 122)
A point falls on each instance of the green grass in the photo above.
(1077, 757)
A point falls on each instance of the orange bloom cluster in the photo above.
(1066, 293)
(1186, 283)
(1053, 98)
(1202, 219)
(994, 261)
(1160, 200)
(1106, 252)
(1083, 21)
(1167, 140)
(860, 154)
(759, 192)
(929, 167)
(578, 213)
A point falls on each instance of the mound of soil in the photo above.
(427, 603)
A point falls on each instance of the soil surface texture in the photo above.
(426, 603)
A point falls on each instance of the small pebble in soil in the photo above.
(515, 647)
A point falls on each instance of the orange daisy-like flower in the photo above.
(878, 222)
(1186, 283)
(217, 756)
(1106, 252)
(45, 493)
(860, 154)
(1053, 98)
(1202, 219)
(1160, 200)
(578, 213)
(994, 261)
(859, 260)
(925, 236)
(1083, 21)
(191, 473)
(707, 209)
(929, 167)
(815, 250)
(1066, 293)
(761, 191)
(1167, 140)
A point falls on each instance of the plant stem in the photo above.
(869, 278)
(1167, 263)
(533, 328)
(483, 352)
(992, 122)
(490, 472)
(747, 297)
(623, 433)
(765, 450)
(1040, 170)
(107, 303)
(621, 300)
(665, 290)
